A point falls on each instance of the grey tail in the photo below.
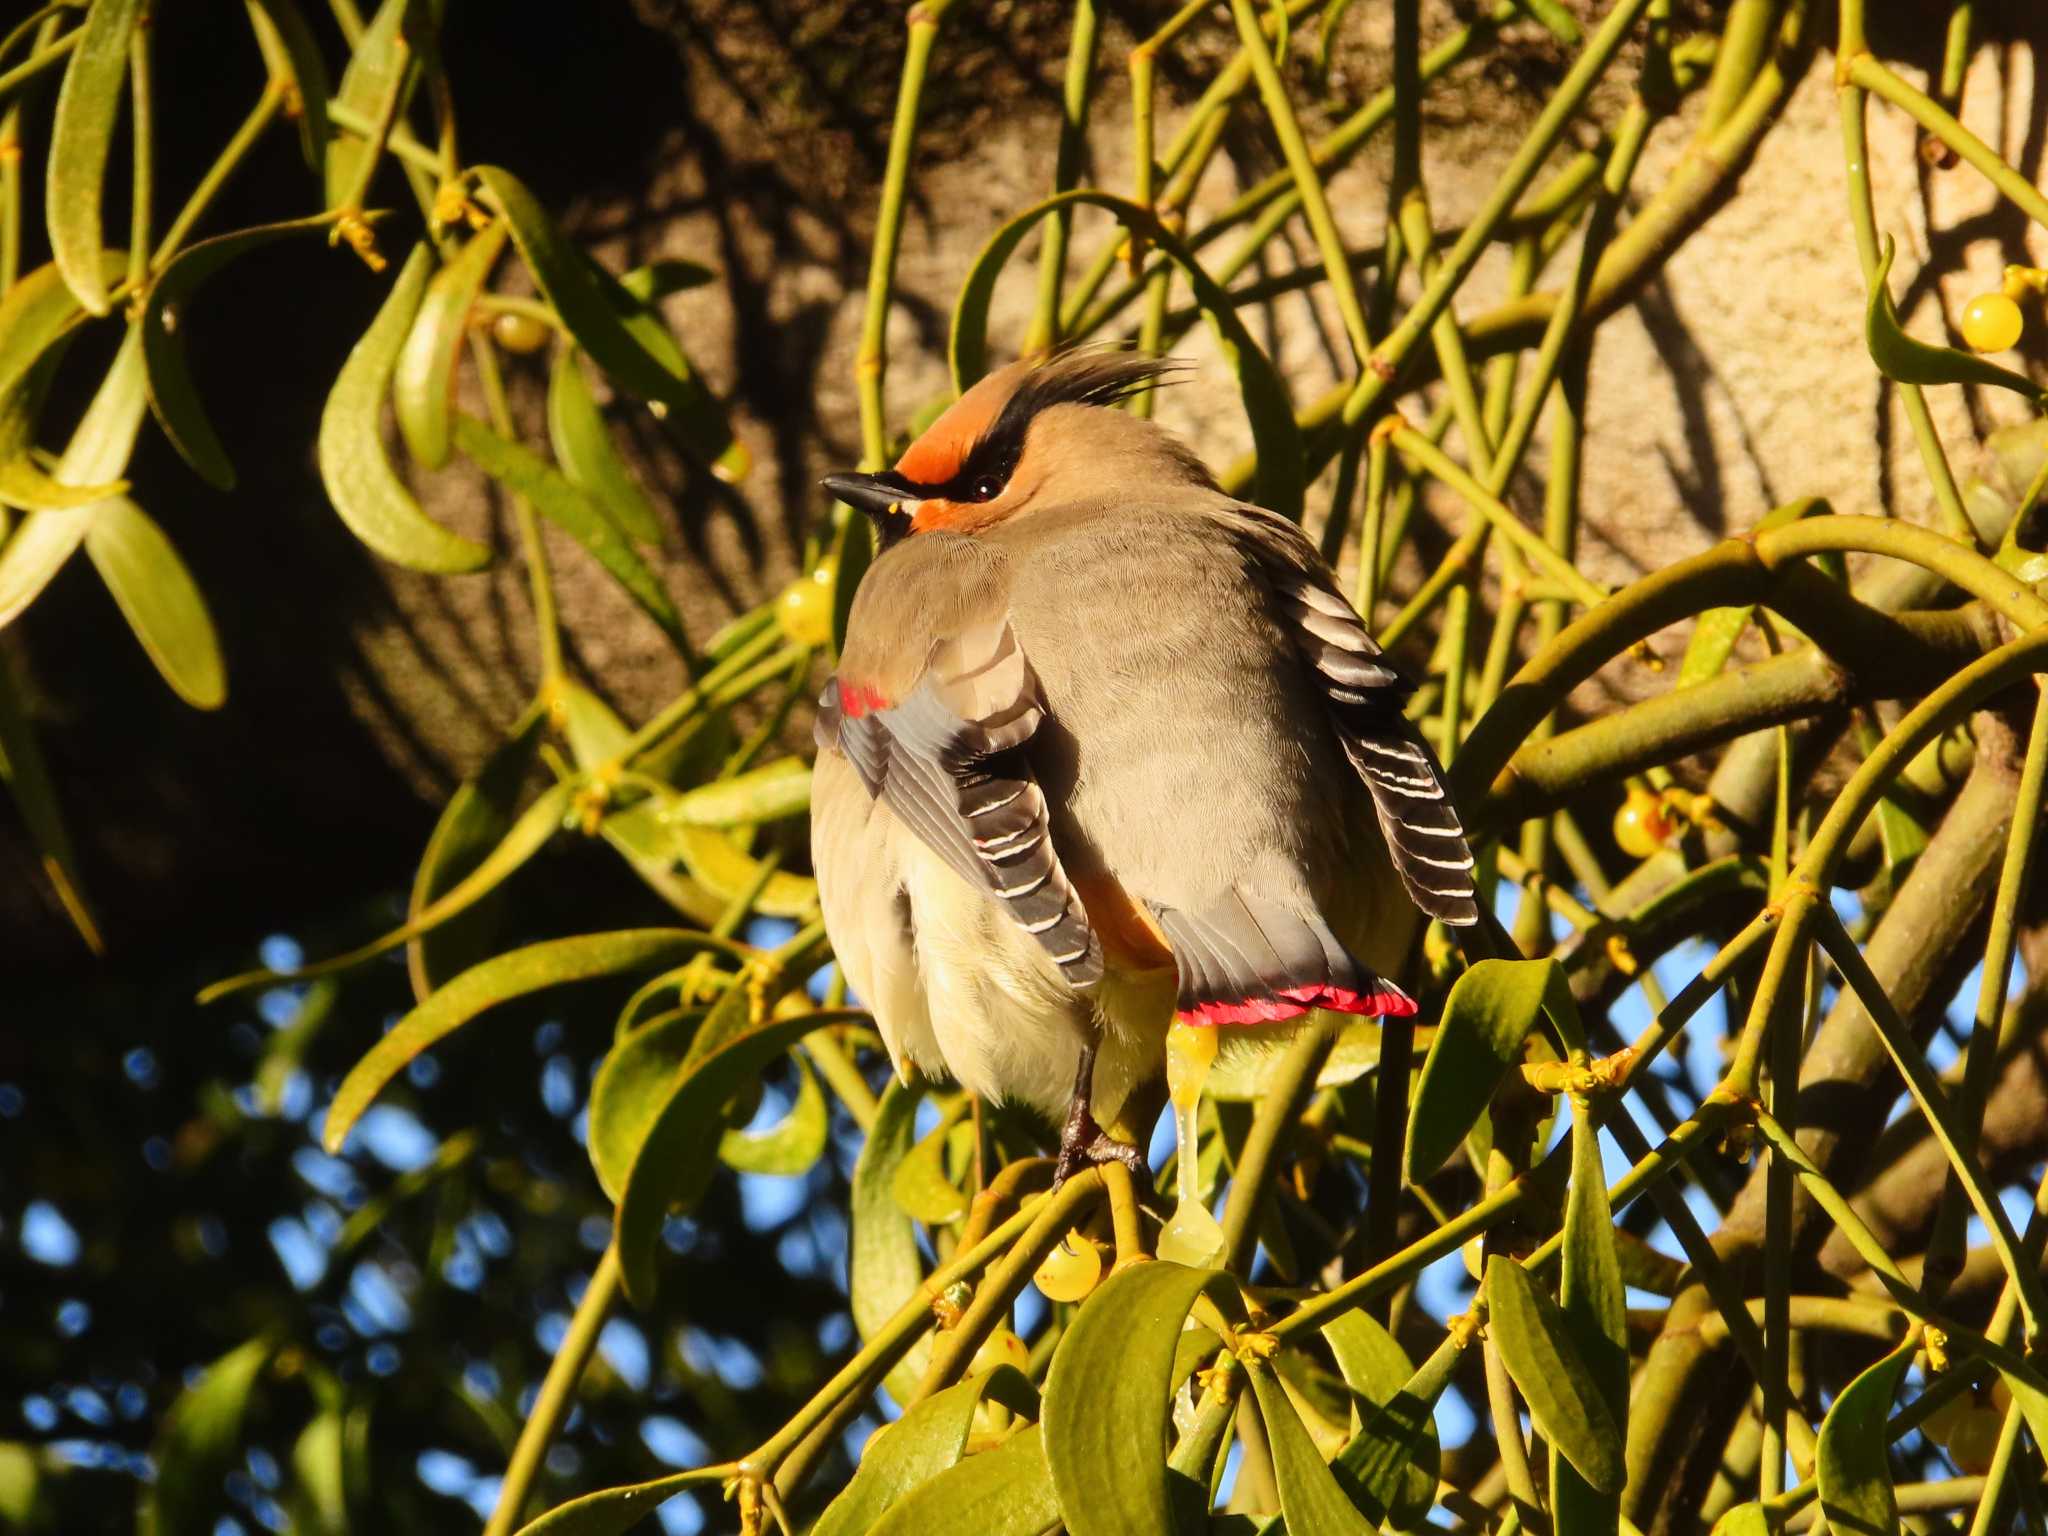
(1246, 960)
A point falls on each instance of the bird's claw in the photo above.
(1084, 1144)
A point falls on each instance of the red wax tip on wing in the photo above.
(1292, 1002)
(857, 699)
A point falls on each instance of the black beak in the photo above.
(879, 496)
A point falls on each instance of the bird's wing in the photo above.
(1365, 697)
(949, 759)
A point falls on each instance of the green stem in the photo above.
(1866, 71)
(540, 583)
(955, 1348)
(380, 126)
(1955, 53)
(1863, 218)
(1052, 254)
(1932, 1103)
(1308, 183)
(216, 177)
(1287, 1092)
(749, 654)
(142, 119)
(1980, 1058)
(37, 62)
(1276, 197)
(842, 1076)
(872, 360)
(865, 1370)
(399, 141)
(1457, 265)
(557, 1388)
(1507, 1439)
(1366, 589)
(1432, 458)
(1745, 35)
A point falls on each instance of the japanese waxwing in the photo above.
(1107, 747)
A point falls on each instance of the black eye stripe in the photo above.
(1077, 379)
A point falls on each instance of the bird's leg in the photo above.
(1085, 1144)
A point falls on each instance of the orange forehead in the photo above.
(936, 457)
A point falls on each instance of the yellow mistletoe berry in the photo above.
(1002, 1347)
(1071, 1270)
(805, 607)
(1992, 322)
(1641, 826)
(1973, 1438)
(519, 333)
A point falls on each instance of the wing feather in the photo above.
(1365, 696)
(950, 760)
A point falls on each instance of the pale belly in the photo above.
(1003, 1021)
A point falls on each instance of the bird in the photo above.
(1107, 748)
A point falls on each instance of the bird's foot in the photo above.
(1084, 1144)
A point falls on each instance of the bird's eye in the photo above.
(987, 488)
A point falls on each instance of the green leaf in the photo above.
(527, 836)
(1901, 358)
(157, 596)
(37, 312)
(853, 554)
(1106, 1398)
(376, 69)
(88, 102)
(1595, 1306)
(518, 973)
(918, 1447)
(1281, 478)
(769, 793)
(1391, 1460)
(23, 483)
(921, 1186)
(368, 1219)
(609, 324)
(792, 1144)
(27, 777)
(658, 279)
(22, 1505)
(1744, 1520)
(884, 1267)
(360, 481)
(1565, 1401)
(1004, 1492)
(2029, 1391)
(1310, 1498)
(1242, 1076)
(422, 387)
(596, 734)
(583, 446)
(527, 474)
(637, 834)
(614, 1511)
(292, 55)
(199, 1437)
(1378, 1466)
(674, 1160)
(97, 453)
(1490, 1011)
(631, 1085)
(1853, 1463)
(319, 1498)
(165, 320)
(37, 318)
(473, 822)
(716, 863)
